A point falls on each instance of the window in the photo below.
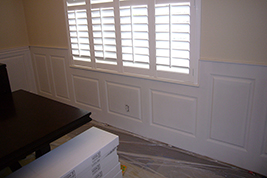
(157, 39)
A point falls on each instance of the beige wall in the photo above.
(46, 23)
(13, 32)
(234, 30)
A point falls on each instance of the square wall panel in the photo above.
(86, 91)
(124, 100)
(174, 111)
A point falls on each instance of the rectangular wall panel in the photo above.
(60, 76)
(41, 67)
(124, 100)
(231, 104)
(17, 73)
(86, 91)
(174, 111)
(19, 68)
(264, 141)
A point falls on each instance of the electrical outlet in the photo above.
(127, 108)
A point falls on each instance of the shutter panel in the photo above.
(134, 36)
(104, 35)
(172, 26)
(78, 30)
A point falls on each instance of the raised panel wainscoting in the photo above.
(224, 117)
(19, 68)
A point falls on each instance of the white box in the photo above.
(113, 172)
(118, 175)
(73, 157)
(100, 169)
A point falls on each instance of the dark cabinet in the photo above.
(4, 81)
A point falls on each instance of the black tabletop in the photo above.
(29, 121)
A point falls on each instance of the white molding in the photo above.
(252, 63)
(49, 47)
(13, 51)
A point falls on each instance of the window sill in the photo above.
(144, 77)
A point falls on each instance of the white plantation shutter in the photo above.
(78, 30)
(104, 35)
(157, 39)
(172, 23)
(134, 36)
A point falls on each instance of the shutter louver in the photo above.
(104, 35)
(172, 25)
(100, 1)
(134, 36)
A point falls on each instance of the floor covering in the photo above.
(145, 158)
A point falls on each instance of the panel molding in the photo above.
(178, 125)
(60, 81)
(19, 67)
(42, 73)
(223, 99)
(124, 100)
(54, 73)
(86, 91)
(264, 141)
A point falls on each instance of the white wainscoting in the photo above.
(224, 118)
(51, 73)
(19, 68)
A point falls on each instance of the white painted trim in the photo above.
(133, 75)
(252, 63)
(13, 51)
(50, 47)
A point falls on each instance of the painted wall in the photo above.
(13, 32)
(46, 23)
(234, 30)
(231, 30)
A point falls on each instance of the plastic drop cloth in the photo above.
(146, 158)
(142, 166)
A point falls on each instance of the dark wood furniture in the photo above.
(29, 123)
(4, 81)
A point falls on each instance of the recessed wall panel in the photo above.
(174, 111)
(124, 100)
(86, 91)
(17, 72)
(59, 76)
(42, 73)
(231, 101)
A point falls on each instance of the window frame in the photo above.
(151, 73)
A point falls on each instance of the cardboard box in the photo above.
(72, 159)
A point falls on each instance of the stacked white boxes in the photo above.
(92, 154)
